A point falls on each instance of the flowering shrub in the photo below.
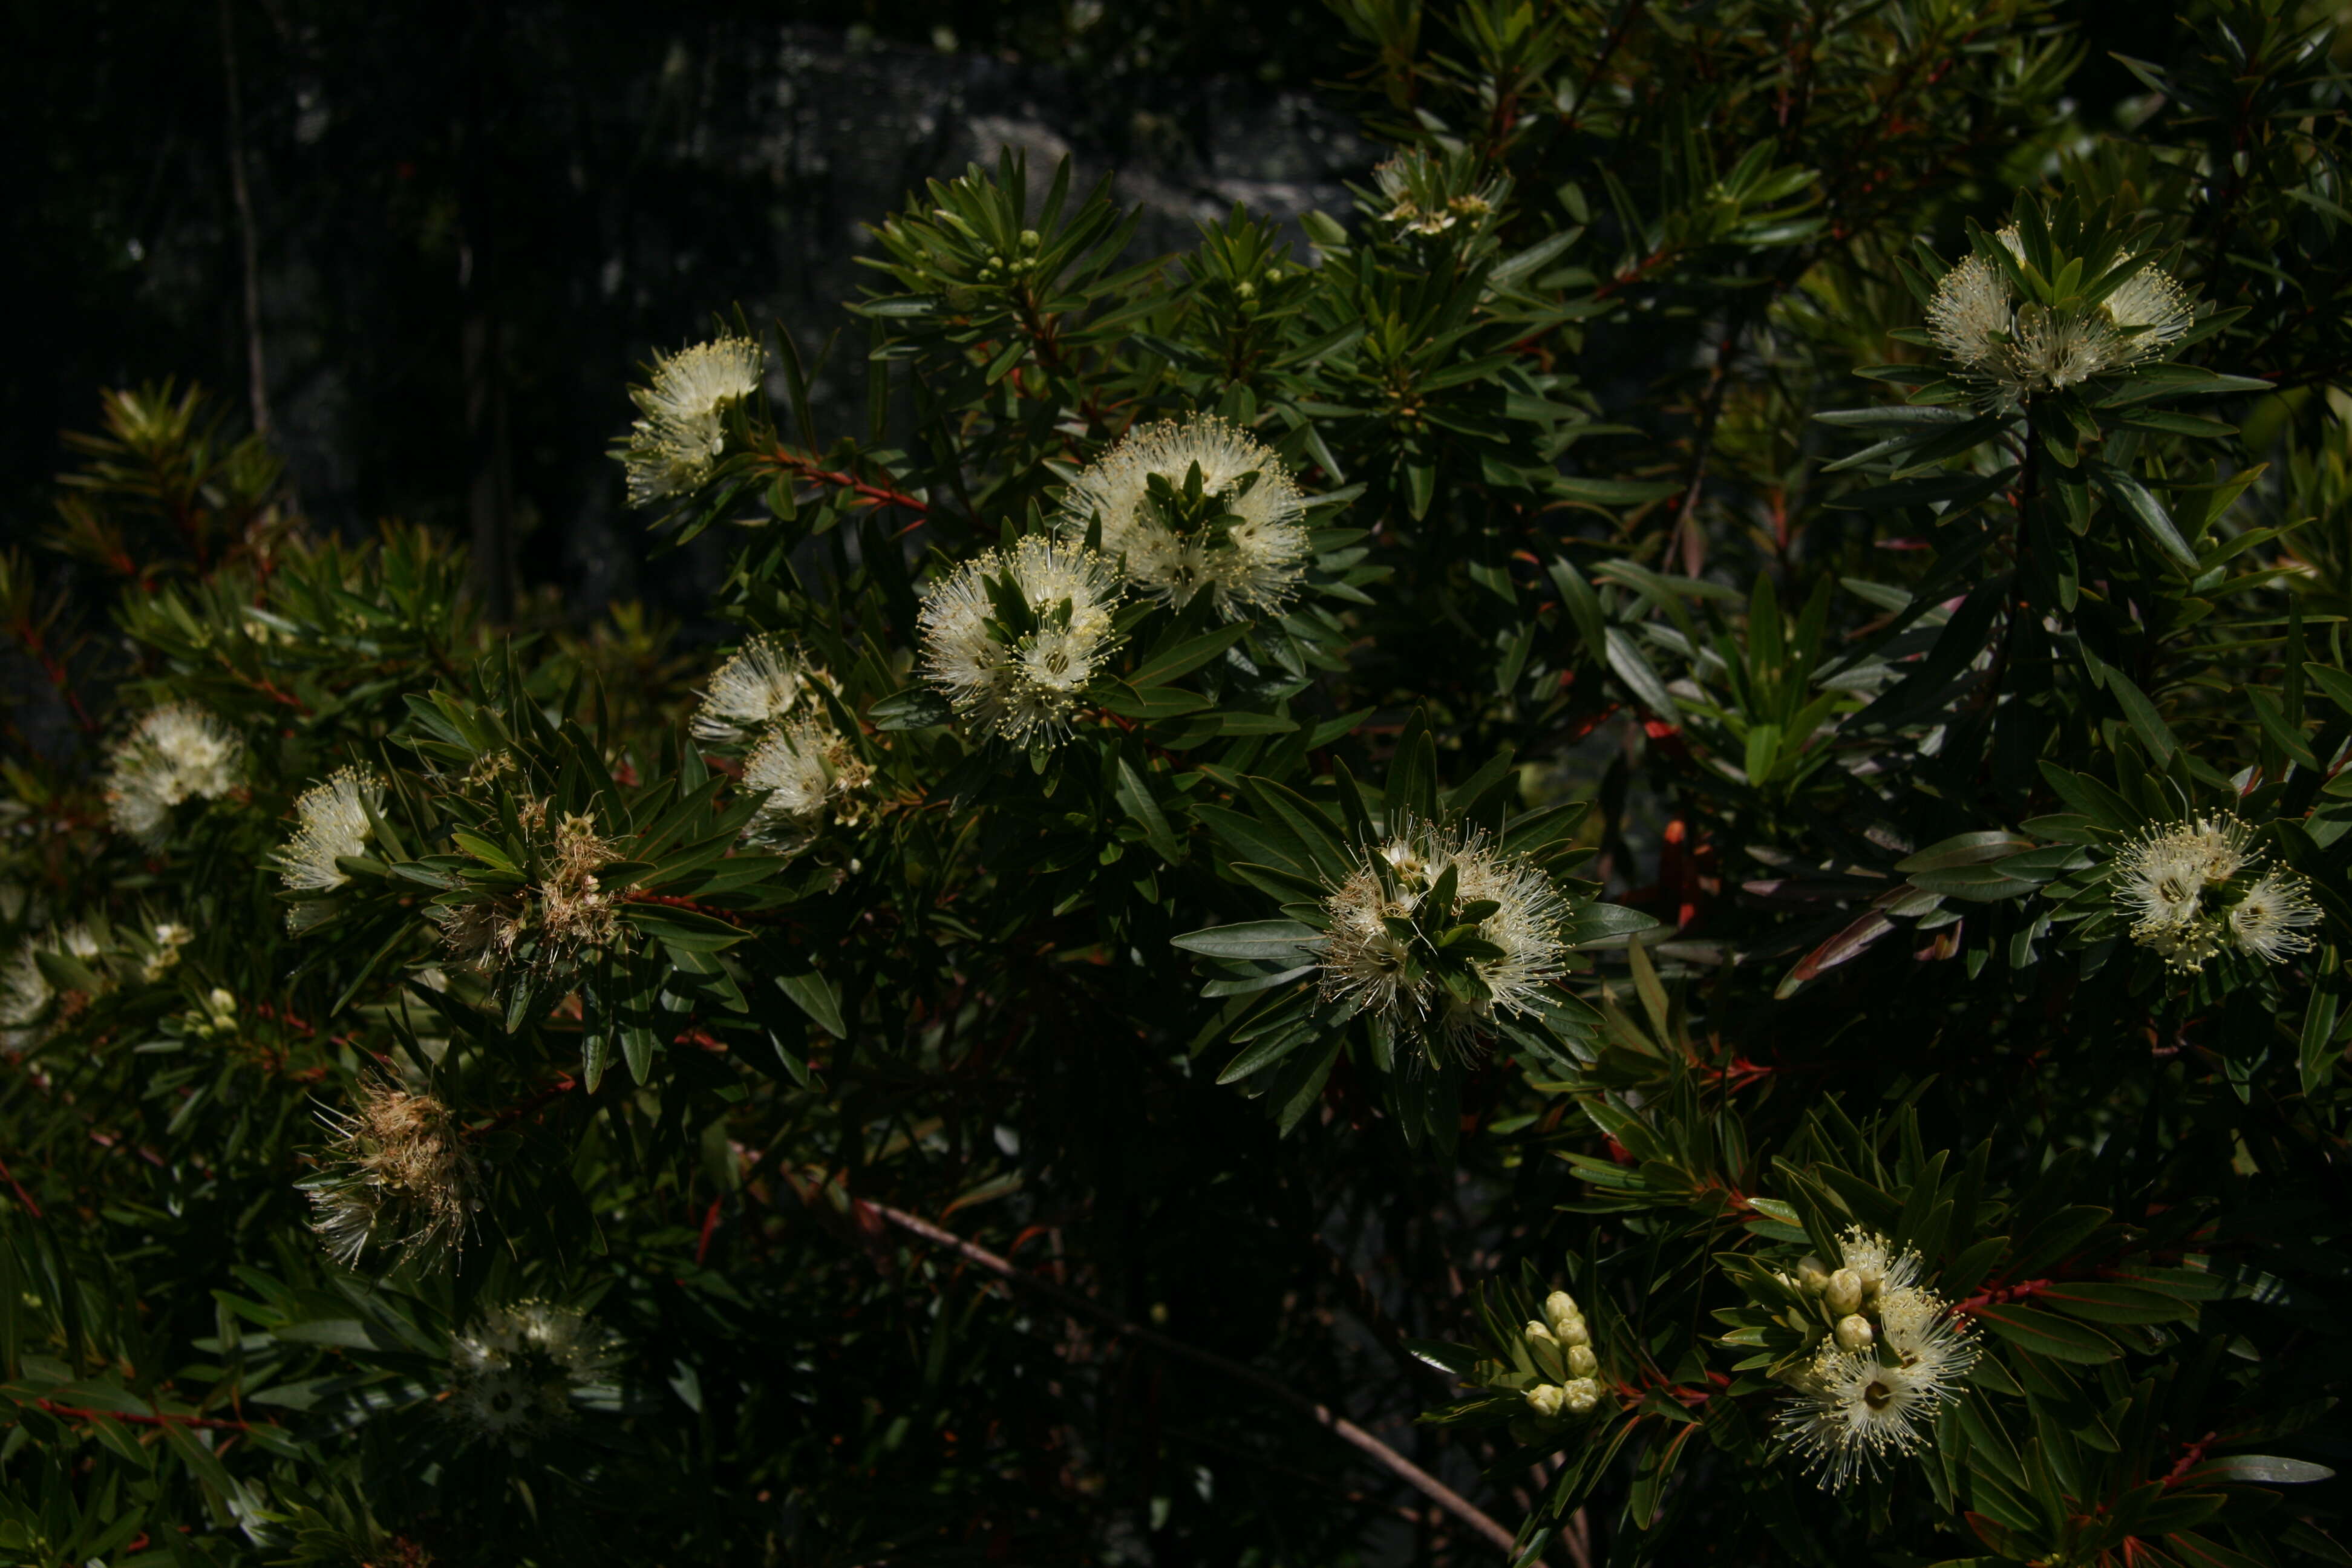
(1647, 872)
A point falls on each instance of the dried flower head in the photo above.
(2184, 884)
(549, 923)
(1011, 638)
(401, 1168)
(1891, 1361)
(332, 818)
(684, 429)
(176, 752)
(2013, 351)
(1383, 951)
(520, 1370)
(1243, 540)
(759, 685)
(811, 772)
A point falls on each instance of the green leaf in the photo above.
(1151, 701)
(1599, 922)
(2266, 1469)
(915, 708)
(812, 994)
(2145, 510)
(1189, 655)
(1964, 850)
(2046, 1333)
(690, 931)
(1252, 939)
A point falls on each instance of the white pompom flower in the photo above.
(1020, 682)
(683, 430)
(2185, 887)
(521, 1371)
(760, 684)
(1248, 547)
(1380, 951)
(177, 752)
(812, 774)
(2271, 920)
(2012, 350)
(332, 824)
(1874, 1387)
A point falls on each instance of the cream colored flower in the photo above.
(518, 1370)
(1389, 971)
(175, 753)
(2181, 885)
(332, 825)
(1249, 560)
(1969, 315)
(24, 997)
(672, 447)
(1894, 1356)
(2014, 350)
(760, 684)
(809, 773)
(2271, 920)
(1020, 683)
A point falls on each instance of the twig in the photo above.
(18, 1188)
(1420, 1480)
(83, 1413)
(880, 495)
(254, 368)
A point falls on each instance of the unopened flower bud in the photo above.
(1536, 1331)
(1545, 1398)
(1581, 1394)
(1843, 1293)
(1853, 1332)
(1574, 1332)
(1581, 1361)
(1812, 1277)
(1559, 1308)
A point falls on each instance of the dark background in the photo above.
(468, 223)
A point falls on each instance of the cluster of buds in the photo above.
(1561, 1347)
(1007, 266)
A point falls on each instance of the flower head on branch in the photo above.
(1194, 507)
(402, 1174)
(683, 430)
(1437, 931)
(520, 1370)
(2185, 887)
(1012, 637)
(760, 684)
(2013, 351)
(332, 825)
(178, 751)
